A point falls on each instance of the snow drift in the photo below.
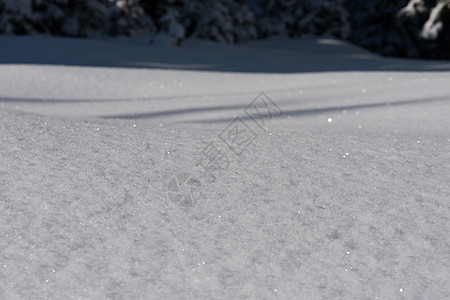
(343, 195)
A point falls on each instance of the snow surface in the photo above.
(345, 195)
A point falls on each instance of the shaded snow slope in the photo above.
(345, 195)
(273, 55)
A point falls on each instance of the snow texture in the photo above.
(343, 195)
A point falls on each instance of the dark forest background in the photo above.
(404, 28)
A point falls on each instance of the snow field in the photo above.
(344, 196)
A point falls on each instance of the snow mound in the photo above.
(341, 194)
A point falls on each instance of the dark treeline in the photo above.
(406, 28)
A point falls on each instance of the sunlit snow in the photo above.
(343, 193)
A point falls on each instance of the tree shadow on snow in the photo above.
(292, 112)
